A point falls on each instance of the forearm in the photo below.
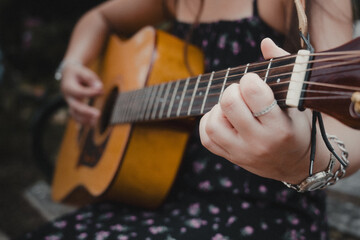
(87, 38)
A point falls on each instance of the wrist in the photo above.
(60, 69)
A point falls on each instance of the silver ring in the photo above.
(266, 110)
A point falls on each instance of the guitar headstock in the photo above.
(334, 83)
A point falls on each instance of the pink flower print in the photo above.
(219, 236)
(231, 220)
(264, 226)
(245, 205)
(216, 61)
(130, 218)
(313, 227)
(195, 223)
(119, 228)
(82, 236)
(80, 227)
(102, 235)
(246, 187)
(133, 234)
(235, 47)
(222, 41)
(316, 211)
(175, 212)
(183, 230)
(279, 221)
(213, 209)
(83, 216)
(107, 215)
(122, 237)
(218, 166)
(199, 166)
(157, 229)
(60, 224)
(149, 221)
(282, 197)
(215, 226)
(250, 40)
(247, 231)
(205, 185)
(194, 209)
(225, 182)
(293, 220)
(53, 237)
(205, 43)
(262, 189)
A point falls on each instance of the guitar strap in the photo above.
(316, 116)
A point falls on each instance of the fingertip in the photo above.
(270, 49)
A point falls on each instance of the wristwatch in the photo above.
(316, 181)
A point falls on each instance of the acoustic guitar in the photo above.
(134, 152)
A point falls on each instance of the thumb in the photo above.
(271, 50)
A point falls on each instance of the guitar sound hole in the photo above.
(107, 110)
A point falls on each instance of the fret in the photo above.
(193, 95)
(206, 93)
(173, 98)
(127, 109)
(151, 102)
(182, 96)
(145, 102)
(165, 99)
(224, 83)
(140, 99)
(157, 100)
(122, 108)
(246, 68)
(267, 70)
(214, 93)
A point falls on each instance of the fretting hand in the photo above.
(274, 144)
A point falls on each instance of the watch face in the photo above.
(315, 182)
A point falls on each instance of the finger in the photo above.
(84, 112)
(221, 132)
(236, 110)
(90, 79)
(258, 96)
(82, 85)
(206, 139)
(271, 50)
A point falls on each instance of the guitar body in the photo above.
(132, 163)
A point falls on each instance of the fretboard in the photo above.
(194, 96)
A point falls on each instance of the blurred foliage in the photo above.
(34, 36)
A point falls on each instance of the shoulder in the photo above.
(276, 13)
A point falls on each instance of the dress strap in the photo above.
(255, 8)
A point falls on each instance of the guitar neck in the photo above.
(194, 96)
(327, 82)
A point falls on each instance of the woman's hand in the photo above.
(273, 145)
(78, 84)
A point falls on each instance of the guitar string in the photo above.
(239, 75)
(312, 69)
(276, 60)
(266, 63)
(230, 81)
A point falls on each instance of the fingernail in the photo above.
(97, 85)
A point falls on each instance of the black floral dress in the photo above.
(211, 198)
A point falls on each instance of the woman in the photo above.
(213, 198)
